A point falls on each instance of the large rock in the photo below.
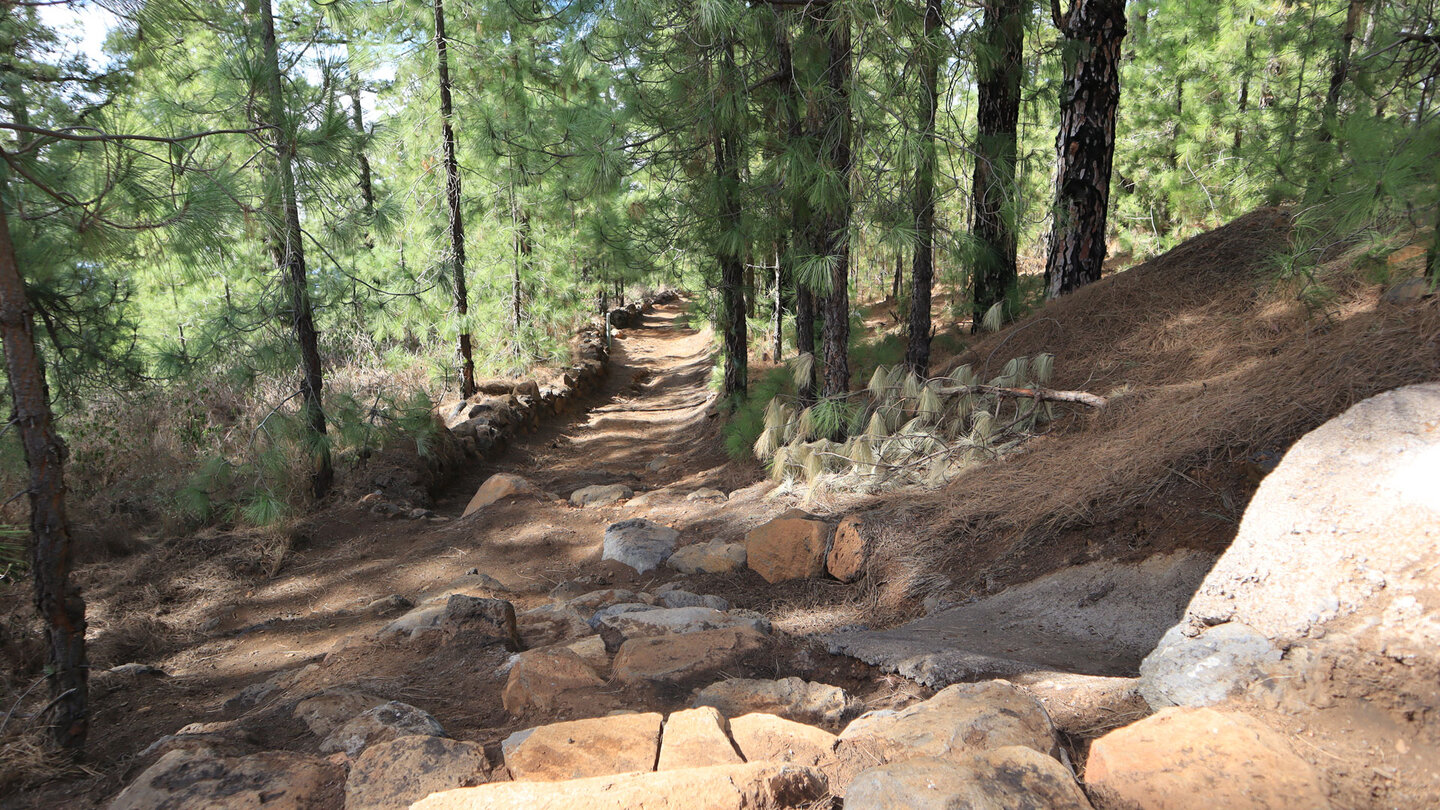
(1199, 759)
(1338, 552)
(272, 780)
(601, 495)
(683, 659)
(714, 557)
(956, 723)
(581, 748)
(498, 487)
(754, 786)
(392, 775)
(598, 600)
(767, 738)
(540, 679)
(792, 546)
(639, 543)
(333, 708)
(792, 698)
(850, 550)
(552, 624)
(1086, 705)
(616, 629)
(422, 619)
(384, 722)
(1009, 778)
(696, 738)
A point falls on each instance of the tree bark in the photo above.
(994, 191)
(727, 143)
(1085, 145)
(288, 251)
(58, 601)
(357, 119)
(801, 225)
(922, 269)
(835, 238)
(452, 200)
(777, 316)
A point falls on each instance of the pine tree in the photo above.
(452, 200)
(929, 49)
(994, 188)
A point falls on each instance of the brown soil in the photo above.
(221, 611)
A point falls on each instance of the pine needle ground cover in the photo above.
(1208, 357)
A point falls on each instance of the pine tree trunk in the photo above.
(452, 200)
(288, 251)
(1243, 101)
(1341, 70)
(732, 265)
(805, 339)
(801, 226)
(897, 280)
(357, 119)
(922, 269)
(835, 238)
(994, 190)
(61, 607)
(1085, 145)
(777, 317)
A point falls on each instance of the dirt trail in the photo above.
(201, 611)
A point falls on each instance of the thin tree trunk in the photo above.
(1341, 70)
(58, 601)
(777, 317)
(1243, 102)
(727, 139)
(452, 200)
(357, 119)
(805, 339)
(288, 251)
(801, 225)
(897, 281)
(835, 239)
(994, 188)
(1085, 145)
(922, 269)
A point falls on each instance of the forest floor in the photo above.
(202, 615)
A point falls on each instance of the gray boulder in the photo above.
(639, 543)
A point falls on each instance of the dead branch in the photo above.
(1042, 394)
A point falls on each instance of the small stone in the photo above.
(713, 557)
(696, 738)
(707, 495)
(792, 546)
(601, 495)
(552, 624)
(1202, 671)
(388, 605)
(582, 748)
(333, 708)
(792, 698)
(681, 599)
(641, 544)
(596, 600)
(540, 678)
(498, 487)
(392, 775)
(481, 620)
(380, 724)
(850, 550)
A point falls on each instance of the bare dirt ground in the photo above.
(220, 612)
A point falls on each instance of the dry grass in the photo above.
(1206, 360)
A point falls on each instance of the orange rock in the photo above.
(498, 487)
(850, 551)
(696, 738)
(792, 546)
(583, 748)
(678, 659)
(540, 677)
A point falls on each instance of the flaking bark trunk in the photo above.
(835, 238)
(922, 270)
(801, 226)
(57, 599)
(1085, 145)
(452, 201)
(732, 265)
(994, 191)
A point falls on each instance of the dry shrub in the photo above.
(135, 637)
(25, 760)
(1205, 357)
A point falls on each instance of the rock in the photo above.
(791, 546)
(680, 599)
(380, 724)
(678, 660)
(272, 780)
(767, 738)
(616, 629)
(659, 463)
(1009, 778)
(792, 698)
(639, 543)
(754, 786)
(598, 620)
(958, 721)
(696, 738)
(596, 600)
(388, 606)
(1408, 291)
(551, 624)
(1338, 553)
(333, 708)
(580, 748)
(482, 620)
(1198, 759)
(540, 678)
(601, 495)
(391, 775)
(223, 738)
(422, 619)
(134, 670)
(498, 487)
(713, 557)
(592, 651)
(850, 550)
(1086, 705)
(1205, 670)
(708, 495)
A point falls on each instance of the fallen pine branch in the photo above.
(1042, 394)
